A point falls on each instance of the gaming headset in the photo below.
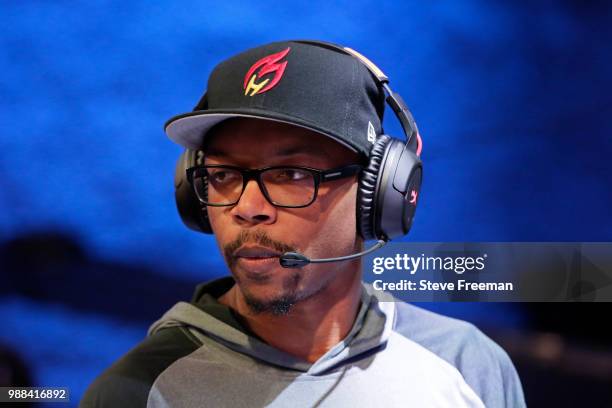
(388, 186)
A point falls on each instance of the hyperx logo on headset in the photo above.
(266, 65)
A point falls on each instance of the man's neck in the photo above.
(313, 326)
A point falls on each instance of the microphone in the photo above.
(297, 260)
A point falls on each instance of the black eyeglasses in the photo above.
(283, 186)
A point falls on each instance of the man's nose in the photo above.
(253, 207)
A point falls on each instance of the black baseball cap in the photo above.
(303, 83)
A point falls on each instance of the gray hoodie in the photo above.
(396, 354)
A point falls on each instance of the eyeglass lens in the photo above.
(284, 186)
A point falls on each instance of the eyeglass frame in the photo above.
(319, 176)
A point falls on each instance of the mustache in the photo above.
(255, 237)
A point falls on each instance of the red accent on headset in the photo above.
(419, 144)
(268, 65)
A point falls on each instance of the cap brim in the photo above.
(189, 130)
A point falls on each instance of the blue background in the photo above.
(511, 99)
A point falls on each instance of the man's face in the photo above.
(253, 233)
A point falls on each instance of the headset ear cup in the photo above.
(191, 211)
(367, 189)
(398, 189)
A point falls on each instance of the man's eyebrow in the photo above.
(213, 151)
(309, 149)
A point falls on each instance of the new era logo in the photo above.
(371, 133)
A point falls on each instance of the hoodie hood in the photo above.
(370, 331)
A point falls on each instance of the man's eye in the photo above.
(291, 175)
(222, 176)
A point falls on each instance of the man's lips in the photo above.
(256, 252)
(257, 261)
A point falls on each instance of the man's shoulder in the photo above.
(436, 331)
(484, 365)
(128, 381)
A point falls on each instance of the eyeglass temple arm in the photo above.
(342, 172)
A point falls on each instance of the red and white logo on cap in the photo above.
(266, 65)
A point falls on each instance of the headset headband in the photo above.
(395, 101)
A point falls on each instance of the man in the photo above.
(278, 150)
